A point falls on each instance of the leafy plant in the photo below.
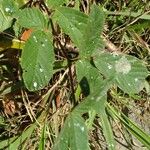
(45, 53)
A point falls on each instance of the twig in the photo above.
(69, 62)
(55, 85)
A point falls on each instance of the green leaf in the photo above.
(130, 14)
(96, 88)
(55, 4)
(107, 129)
(42, 139)
(72, 22)
(20, 3)
(37, 61)
(7, 8)
(88, 77)
(84, 30)
(26, 134)
(78, 133)
(92, 86)
(73, 135)
(142, 136)
(62, 140)
(92, 33)
(32, 18)
(97, 103)
(5, 21)
(14, 142)
(89, 122)
(2, 121)
(127, 72)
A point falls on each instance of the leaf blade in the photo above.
(37, 61)
(125, 71)
(32, 18)
(92, 32)
(76, 138)
(72, 22)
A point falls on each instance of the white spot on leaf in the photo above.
(72, 27)
(46, 76)
(123, 66)
(35, 84)
(41, 70)
(139, 85)
(43, 45)
(77, 124)
(8, 10)
(129, 84)
(80, 61)
(92, 98)
(35, 39)
(109, 66)
(66, 141)
(98, 98)
(111, 145)
(82, 129)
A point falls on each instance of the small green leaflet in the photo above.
(74, 134)
(93, 31)
(7, 8)
(72, 22)
(131, 126)
(126, 71)
(107, 129)
(97, 103)
(32, 18)
(42, 138)
(55, 3)
(97, 89)
(84, 30)
(5, 21)
(37, 61)
(88, 77)
(15, 142)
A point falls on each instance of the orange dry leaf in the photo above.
(26, 34)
